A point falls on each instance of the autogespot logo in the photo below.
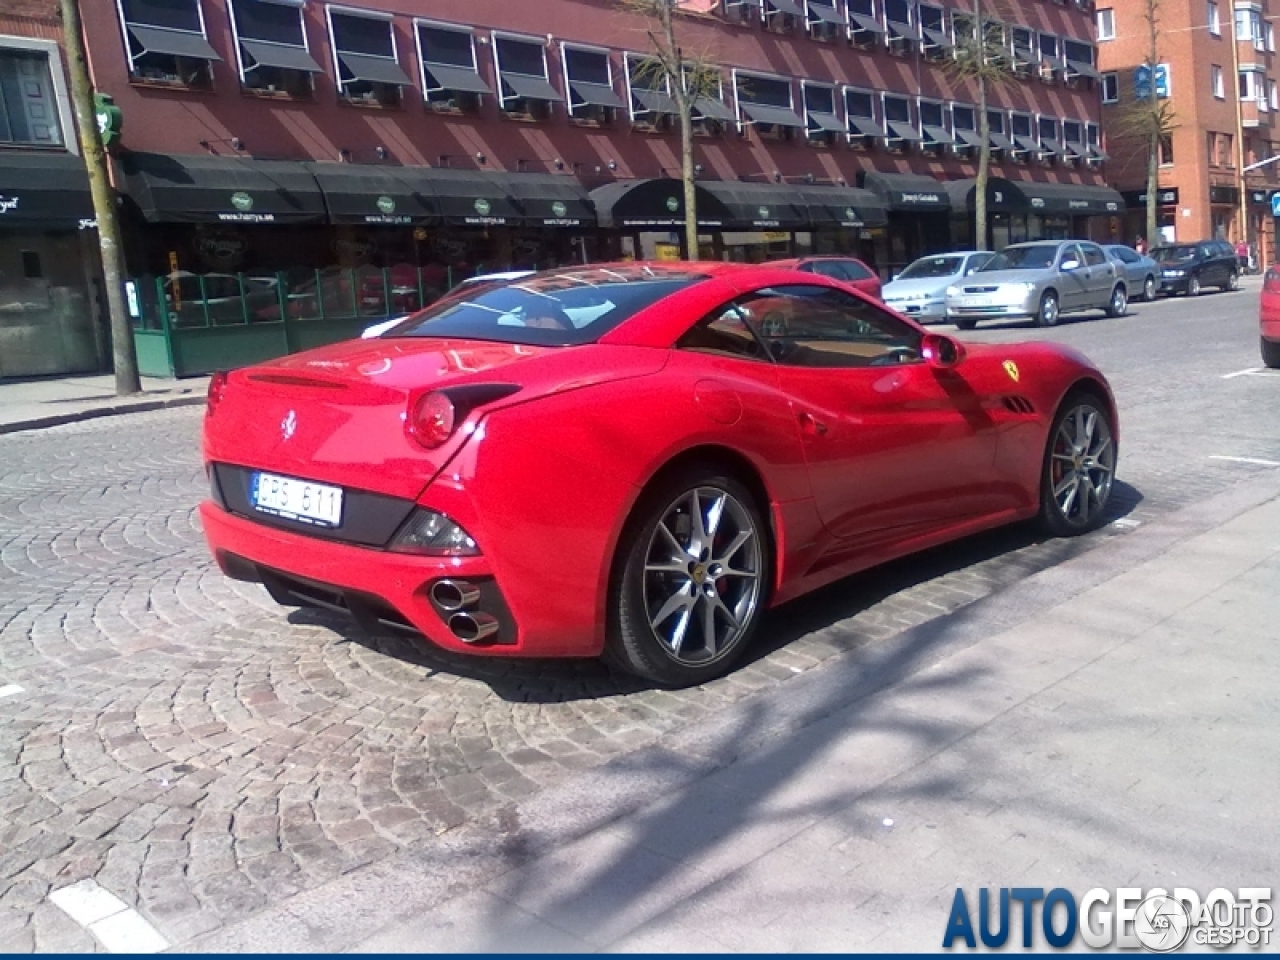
(1127, 918)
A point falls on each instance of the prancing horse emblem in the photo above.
(289, 425)
(1010, 368)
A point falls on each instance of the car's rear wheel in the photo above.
(1047, 315)
(1233, 281)
(1079, 467)
(965, 323)
(1119, 301)
(1271, 353)
(1193, 286)
(1149, 289)
(691, 580)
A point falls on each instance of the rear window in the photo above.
(565, 308)
(1174, 254)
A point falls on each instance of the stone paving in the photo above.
(201, 752)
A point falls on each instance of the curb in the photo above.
(58, 419)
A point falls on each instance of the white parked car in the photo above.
(471, 283)
(920, 291)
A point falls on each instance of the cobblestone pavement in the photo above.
(202, 753)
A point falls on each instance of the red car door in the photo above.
(894, 446)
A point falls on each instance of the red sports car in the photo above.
(1269, 317)
(636, 460)
(847, 269)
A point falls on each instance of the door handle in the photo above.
(811, 425)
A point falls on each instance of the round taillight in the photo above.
(217, 387)
(432, 420)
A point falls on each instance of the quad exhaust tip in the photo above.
(473, 627)
(453, 596)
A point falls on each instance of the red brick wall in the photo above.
(31, 18)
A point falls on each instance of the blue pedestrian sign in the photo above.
(1142, 82)
(1275, 204)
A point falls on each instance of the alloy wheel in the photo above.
(1119, 302)
(1048, 310)
(1149, 289)
(1193, 286)
(1082, 465)
(702, 575)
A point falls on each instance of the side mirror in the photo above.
(941, 352)
(1069, 265)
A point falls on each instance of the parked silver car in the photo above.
(1042, 280)
(1141, 273)
(920, 291)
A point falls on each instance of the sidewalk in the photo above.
(46, 402)
(1106, 723)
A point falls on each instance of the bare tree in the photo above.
(982, 58)
(688, 76)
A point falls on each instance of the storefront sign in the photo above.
(243, 204)
(8, 204)
(482, 208)
(1259, 197)
(673, 204)
(219, 248)
(915, 199)
(110, 119)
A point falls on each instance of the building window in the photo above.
(964, 124)
(588, 78)
(1111, 87)
(821, 122)
(274, 58)
(1022, 131)
(1166, 150)
(1215, 21)
(1252, 88)
(1079, 58)
(902, 130)
(864, 26)
(824, 20)
(1106, 25)
(652, 105)
(28, 103)
(933, 126)
(1249, 26)
(449, 70)
(860, 113)
(524, 87)
(1047, 135)
(1073, 148)
(1216, 82)
(901, 29)
(935, 39)
(1273, 95)
(1023, 45)
(766, 103)
(1271, 37)
(166, 42)
(1093, 143)
(1226, 142)
(782, 15)
(997, 127)
(1051, 63)
(742, 11)
(710, 114)
(364, 49)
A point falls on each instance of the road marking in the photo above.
(10, 690)
(1252, 372)
(1253, 460)
(113, 923)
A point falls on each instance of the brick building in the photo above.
(1226, 103)
(50, 314)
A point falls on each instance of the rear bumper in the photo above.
(383, 591)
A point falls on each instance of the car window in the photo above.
(1174, 254)
(811, 326)
(932, 268)
(856, 271)
(1093, 255)
(1070, 251)
(1036, 256)
(1124, 254)
(724, 332)
(1206, 250)
(828, 268)
(978, 261)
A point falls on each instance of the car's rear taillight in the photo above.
(217, 388)
(432, 419)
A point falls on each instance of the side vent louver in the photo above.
(1019, 405)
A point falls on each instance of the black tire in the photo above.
(1233, 282)
(1119, 302)
(1074, 521)
(1271, 353)
(632, 641)
(965, 323)
(1050, 309)
(1149, 289)
(1193, 285)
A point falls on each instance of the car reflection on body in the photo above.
(470, 285)
(920, 291)
(1041, 280)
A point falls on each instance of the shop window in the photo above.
(589, 83)
(710, 114)
(1052, 66)
(864, 26)
(1049, 140)
(525, 90)
(935, 39)
(28, 104)
(821, 122)
(824, 20)
(652, 106)
(449, 69)
(166, 42)
(1079, 59)
(902, 35)
(964, 125)
(274, 58)
(766, 104)
(934, 127)
(860, 115)
(1023, 47)
(365, 51)
(900, 127)
(1022, 130)
(782, 16)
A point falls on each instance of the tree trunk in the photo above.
(984, 132)
(680, 84)
(124, 354)
(1153, 160)
(1153, 192)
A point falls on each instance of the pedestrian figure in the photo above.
(1141, 247)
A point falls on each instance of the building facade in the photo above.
(51, 320)
(276, 151)
(1218, 69)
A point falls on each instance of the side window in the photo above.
(830, 268)
(977, 262)
(1206, 250)
(1126, 256)
(856, 271)
(1070, 252)
(725, 332)
(1093, 256)
(810, 326)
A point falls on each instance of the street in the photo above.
(207, 756)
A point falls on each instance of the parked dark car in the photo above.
(1190, 267)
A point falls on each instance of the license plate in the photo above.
(294, 499)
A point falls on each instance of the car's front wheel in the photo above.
(1271, 353)
(1047, 315)
(1118, 303)
(965, 323)
(691, 580)
(1193, 286)
(1079, 467)
(1149, 289)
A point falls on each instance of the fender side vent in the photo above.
(1019, 405)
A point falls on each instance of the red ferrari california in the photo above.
(636, 460)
